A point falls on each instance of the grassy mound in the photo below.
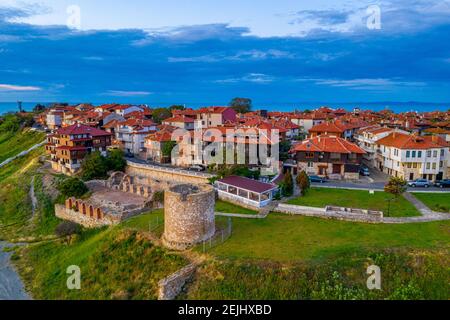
(404, 275)
(115, 264)
(12, 144)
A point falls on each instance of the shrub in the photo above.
(67, 229)
(94, 166)
(287, 186)
(116, 161)
(72, 187)
(303, 182)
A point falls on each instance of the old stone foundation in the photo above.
(188, 215)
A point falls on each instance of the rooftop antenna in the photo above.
(19, 105)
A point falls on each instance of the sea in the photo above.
(274, 106)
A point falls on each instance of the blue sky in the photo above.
(204, 51)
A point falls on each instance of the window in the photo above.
(414, 154)
(408, 154)
(434, 166)
(442, 152)
(310, 155)
(415, 165)
(429, 153)
(441, 164)
(409, 165)
(419, 154)
(310, 165)
(435, 154)
(428, 166)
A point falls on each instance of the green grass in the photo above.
(12, 144)
(435, 201)
(295, 238)
(115, 263)
(321, 197)
(404, 274)
(148, 222)
(227, 207)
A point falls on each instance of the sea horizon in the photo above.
(395, 106)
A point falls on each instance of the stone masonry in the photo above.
(188, 215)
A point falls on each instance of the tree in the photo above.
(72, 187)
(241, 105)
(287, 186)
(94, 166)
(285, 147)
(39, 107)
(167, 148)
(396, 186)
(161, 114)
(303, 182)
(176, 107)
(116, 160)
(67, 229)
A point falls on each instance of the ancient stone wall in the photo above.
(332, 213)
(161, 178)
(169, 288)
(87, 221)
(188, 215)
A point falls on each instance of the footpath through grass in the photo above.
(439, 202)
(361, 199)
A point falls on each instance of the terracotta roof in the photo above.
(412, 141)
(248, 184)
(327, 127)
(82, 129)
(326, 143)
(160, 136)
(179, 118)
(213, 109)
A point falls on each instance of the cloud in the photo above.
(253, 54)
(369, 84)
(259, 78)
(119, 93)
(11, 87)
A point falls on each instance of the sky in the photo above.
(204, 51)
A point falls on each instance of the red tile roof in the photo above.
(248, 184)
(82, 129)
(411, 141)
(326, 143)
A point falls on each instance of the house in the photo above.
(215, 116)
(180, 121)
(246, 191)
(130, 135)
(411, 156)
(68, 146)
(329, 156)
(156, 145)
(367, 138)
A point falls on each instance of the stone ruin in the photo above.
(188, 215)
(120, 181)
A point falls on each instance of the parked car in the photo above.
(443, 183)
(197, 168)
(419, 183)
(364, 171)
(317, 179)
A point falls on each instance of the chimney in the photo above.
(434, 138)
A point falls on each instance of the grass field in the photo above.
(12, 144)
(227, 207)
(321, 197)
(294, 238)
(435, 201)
(114, 263)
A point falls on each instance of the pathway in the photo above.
(34, 201)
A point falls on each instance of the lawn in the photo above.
(294, 238)
(152, 221)
(227, 207)
(435, 201)
(12, 144)
(361, 199)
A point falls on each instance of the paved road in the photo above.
(366, 184)
(11, 287)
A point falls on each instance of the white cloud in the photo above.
(251, 77)
(119, 93)
(10, 87)
(368, 84)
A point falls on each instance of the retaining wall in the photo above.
(171, 286)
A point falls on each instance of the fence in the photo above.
(155, 224)
(219, 237)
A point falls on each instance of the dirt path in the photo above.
(34, 201)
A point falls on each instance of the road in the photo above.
(367, 185)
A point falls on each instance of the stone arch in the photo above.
(115, 179)
(98, 213)
(83, 208)
(91, 211)
(69, 203)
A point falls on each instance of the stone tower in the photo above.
(188, 215)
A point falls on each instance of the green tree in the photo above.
(285, 146)
(94, 166)
(161, 114)
(287, 185)
(116, 160)
(396, 186)
(167, 148)
(303, 182)
(241, 105)
(72, 187)
(176, 107)
(11, 123)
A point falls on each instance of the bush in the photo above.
(67, 229)
(116, 161)
(287, 186)
(303, 182)
(158, 197)
(94, 166)
(72, 187)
